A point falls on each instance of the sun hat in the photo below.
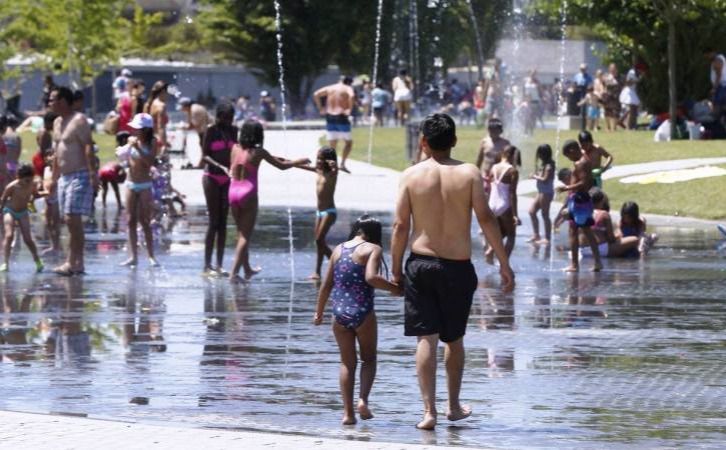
(142, 120)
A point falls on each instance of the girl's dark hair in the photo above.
(225, 110)
(598, 195)
(328, 154)
(251, 135)
(544, 153)
(514, 153)
(122, 137)
(147, 135)
(156, 89)
(630, 209)
(372, 229)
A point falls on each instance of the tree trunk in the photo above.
(673, 102)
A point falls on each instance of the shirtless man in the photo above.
(339, 100)
(491, 147)
(197, 117)
(579, 205)
(439, 194)
(74, 174)
(595, 153)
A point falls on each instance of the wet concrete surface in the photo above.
(631, 356)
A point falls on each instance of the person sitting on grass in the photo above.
(579, 205)
(15, 199)
(326, 166)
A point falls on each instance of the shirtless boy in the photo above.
(339, 100)
(326, 166)
(434, 207)
(579, 205)
(490, 149)
(14, 203)
(595, 153)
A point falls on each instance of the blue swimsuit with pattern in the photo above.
(352, 296)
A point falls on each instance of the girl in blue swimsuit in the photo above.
(352, 276)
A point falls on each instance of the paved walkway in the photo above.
(56, 432)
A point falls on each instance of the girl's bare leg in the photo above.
(322, 227)
(133, 212)
(368, 343)
(348, 361)
(245, 217)
(145, 207)
(545, 203)
(24, 224)
(533, 217)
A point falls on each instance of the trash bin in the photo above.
(412, 141)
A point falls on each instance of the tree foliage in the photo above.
(636, 31)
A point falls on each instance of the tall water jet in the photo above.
(374, 79)
(477, 36)
(281, 79)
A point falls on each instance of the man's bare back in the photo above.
(437, 191)
(339, 99)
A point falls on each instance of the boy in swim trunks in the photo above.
(434, 207)
(595, 153)
(326, 166)
(14, 203)
(339, 101)
(579, 205)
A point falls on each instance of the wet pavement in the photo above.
(632, 356)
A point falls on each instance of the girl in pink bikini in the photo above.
(245, 162)
(219, 140)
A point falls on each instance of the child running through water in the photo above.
(545, 177)
(14, 202)
(503, 197)
(353, 274)
(579, 205)
(326, 166)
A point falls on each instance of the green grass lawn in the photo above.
(106, 146)
(698, 198)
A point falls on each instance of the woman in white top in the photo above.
(402, 96)
(629, 99)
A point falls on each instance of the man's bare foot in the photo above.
(533, 239)
(543, 242)
(462, 412)
(572, 269)
(344, 169)
(252, 272)
(50, 251)
(314, 277)
(363, 411)
(428, 422)
(348, 420)
(597, 267)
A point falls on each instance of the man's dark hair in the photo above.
(439, 131)
(495, 123)
(12, 121)
(78, 95)
(403, 72)
(346, 80)
(64, 93)
(585, 137)
(25, 170)
(570, 145)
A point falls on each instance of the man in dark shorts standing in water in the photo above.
(339, 100)
(439, 195)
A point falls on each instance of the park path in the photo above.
(43, 431)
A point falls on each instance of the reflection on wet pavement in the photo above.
(631, 356)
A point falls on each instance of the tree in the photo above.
(637, 31)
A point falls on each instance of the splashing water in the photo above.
(283, 109)
(477, 35)
(563, 55)
(374, 79)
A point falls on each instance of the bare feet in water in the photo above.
(542, 242)
(428, 422)
(458, 413)
(314, 277)
(597, 267)
(344, 169)
(363, 411)
(348, 420)
(572, 269)
(131, 262)
(533, 240)
(252, 272)
(489, 257)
